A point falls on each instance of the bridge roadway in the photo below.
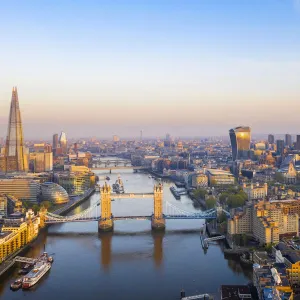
(132, 195)
(119, 168)
(120, 218)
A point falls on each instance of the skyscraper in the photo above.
(240, 142)
(298, 142)
(55, 141)
(15, 158)
(63, 142)
(271, 139)
(280, 147)
(288, 140)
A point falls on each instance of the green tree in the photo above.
(210, 202)
(279, 177)
(46, 204)
(223, 197)
(235, 201)
(268, 247)
(199, 193)
(35, 208)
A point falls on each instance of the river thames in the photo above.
(132, 262)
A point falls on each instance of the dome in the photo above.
(54, 193)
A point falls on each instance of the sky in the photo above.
(190, 68)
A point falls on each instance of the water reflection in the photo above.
(107, 255)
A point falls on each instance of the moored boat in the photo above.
(17, 284)
(41, 267)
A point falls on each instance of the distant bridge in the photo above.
(94, 168)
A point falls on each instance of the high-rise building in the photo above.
(63, 142)
(15, 158)
(271, 139)
(240, 142)
(116, 138)
(280, 147)
(288, 140)
(55, 141)
(298, 142)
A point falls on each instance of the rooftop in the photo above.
(234, 292)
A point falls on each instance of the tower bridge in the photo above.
(102, 211)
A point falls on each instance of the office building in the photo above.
(3, 206)
(63, 142)
(116, 138)
(280, 147)
(288, 140)
(55, 141)
(271, 139)
(240, 142)
(298, 142)
(77, 180)
(23, 189)
(15, 159)
(219, 177)
(41, 162)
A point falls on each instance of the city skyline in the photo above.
(170, 67)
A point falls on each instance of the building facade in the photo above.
(266, 221)
(240, 142)
(22, 189)
(63, 142)
(255, 192)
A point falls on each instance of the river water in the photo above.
(132, 262)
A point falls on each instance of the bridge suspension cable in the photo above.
(89, 213)
(174, 210)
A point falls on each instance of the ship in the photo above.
(118, 186)
(40, 268)
(97, 188)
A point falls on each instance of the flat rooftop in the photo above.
(235, 292)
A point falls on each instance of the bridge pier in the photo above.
(158, 222)
(106, 221)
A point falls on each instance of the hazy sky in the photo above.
(191, 68)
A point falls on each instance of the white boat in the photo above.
(41, 267)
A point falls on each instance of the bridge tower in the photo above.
(42, 215)
(158, 221)
(106, 221)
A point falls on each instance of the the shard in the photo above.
(15, 158)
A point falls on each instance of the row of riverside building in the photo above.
(266, 221)
(19, 231)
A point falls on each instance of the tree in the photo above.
(235, 201)
(46, 204)
(199, 193)
(35, 208)
(210, 202)
(223, 197)
(279, 177)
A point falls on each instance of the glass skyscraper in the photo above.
(15, 158)
(240, 142)
(63, 142)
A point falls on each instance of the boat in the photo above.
(40, 268)
(118, 186)
(175, 193)
(17, 284)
